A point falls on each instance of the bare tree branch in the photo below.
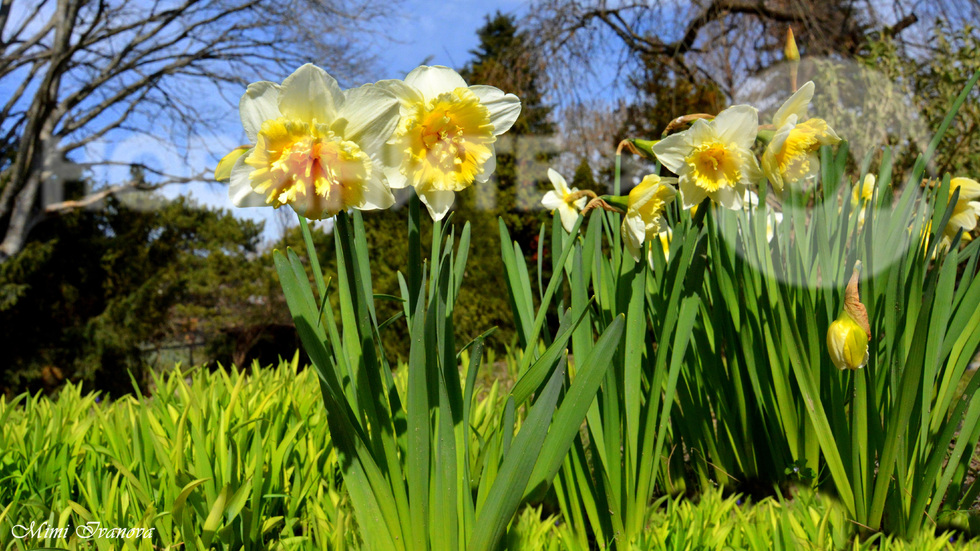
(93, 71)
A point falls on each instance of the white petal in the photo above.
(432, 81)
(407, 95)
(751, 173)
(393, 157)
(376, 195)
(701, 131)
(796, 105)
(488, 167)
(568, 216)
(552, 200)
(672, 150)
(558, 181)
(729, 197)
(738, 124)
(259, 103)
(310, 93)
(691, 194)
(780, 137)
(634, 232)
(396, 180)
(438, 202)
(240, 188)
(504, 108)
(368, 116)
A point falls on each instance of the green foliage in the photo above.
(405, 458)
(888, 439)
(225, 459)
(95, 288)
(755, 400)
(254, 449)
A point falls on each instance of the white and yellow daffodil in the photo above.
(645, 212)
(445, 138)
(714, 158)
(315, 147)
(791, 156)
(563, 200)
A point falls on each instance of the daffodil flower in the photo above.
(791, 156)
(849, 335)
(861, 195)
(967, 208)
(864, 192)
(714, 158)
(315, 147)
(445, 137)
(562, 200)
(644, 212)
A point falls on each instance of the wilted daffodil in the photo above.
(644, 212)
(315, 147)
(714, 158)
(562, 200)
(849, 334)
(791, 156)
(445, 136)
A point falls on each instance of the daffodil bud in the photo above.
(791, 52)
(849, 334)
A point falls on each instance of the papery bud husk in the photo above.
(853, 305)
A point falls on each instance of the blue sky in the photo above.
(441, 33)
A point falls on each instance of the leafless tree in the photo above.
(662, 58)
(76, 72)
(718, 41)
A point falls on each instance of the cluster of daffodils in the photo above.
(322, 150)
(713, 159)
(965, 216)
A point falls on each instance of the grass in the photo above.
(229, 460)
